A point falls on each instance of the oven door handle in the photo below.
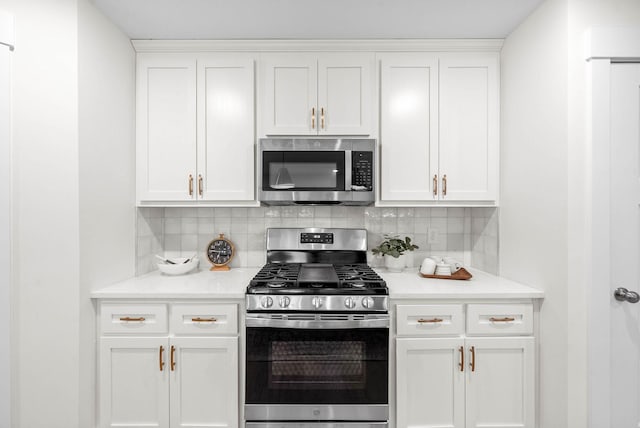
(381, 321)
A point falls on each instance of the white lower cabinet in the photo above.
(464, 381)
(134, 390)
(170, 381)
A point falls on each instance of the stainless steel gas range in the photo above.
(317, 331)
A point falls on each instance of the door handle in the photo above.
(621, 294)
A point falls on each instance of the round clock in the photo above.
(220, 252)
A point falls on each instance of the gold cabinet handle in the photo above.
(313, 118)
(444, 185)
(473, 358)
(322, 118)
(131, 319)
(200, 184)
(198, 319)
(461, 364)
(173, 358)
(190, 185)
(431, 320)
(505, 319)
(435, 185)
(160, 357)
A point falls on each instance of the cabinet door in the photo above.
(429, 383)
(469, 126)
(290, 95)
(501, 385)
(345, 94)
(226, 128)
(204, 382)
(409, 127)
(134, 384)
(166, 127)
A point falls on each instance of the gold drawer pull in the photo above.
(160, 357)
(173, 358)
(198, 319)
(473, 359)
(505, 319)
(130, 319)
(432, 320)
(461, 364)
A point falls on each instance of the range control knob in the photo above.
(367, 302)
(284, 301)
(350, 302)
(266, 302)
(316, 302)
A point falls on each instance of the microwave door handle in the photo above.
(347, 170)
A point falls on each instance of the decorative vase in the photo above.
(394, 264)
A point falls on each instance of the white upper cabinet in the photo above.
(469, 127)
(317, 94)
(195, 128)
(226, 131)
(166, 127)
(409, 126)
(439, 127)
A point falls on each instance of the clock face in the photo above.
(220, 251)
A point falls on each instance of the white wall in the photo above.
(6, 39)
(533, 211)
(583, 14)
(72, 200)
(106, 63)
(545, 175)
(46, 251)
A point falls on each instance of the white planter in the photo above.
(395, 264)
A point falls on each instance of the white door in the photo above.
(500, 382)
(345, 94)
(409, 127)
(625, 244)
(226, 128)
(430, 383)
(166, 127)
(290, 95)
(469, 110)
(204, 382)
(6, 39)
(134, 385)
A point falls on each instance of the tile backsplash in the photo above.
(469, 234)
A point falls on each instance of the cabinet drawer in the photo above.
(133, 318)
(204, 318)
(500, 319)
(429, 320)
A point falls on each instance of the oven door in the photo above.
(323, 367)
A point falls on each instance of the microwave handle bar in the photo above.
(348, 165)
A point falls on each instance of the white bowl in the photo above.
(180, 267)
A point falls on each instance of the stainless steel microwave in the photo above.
(315, 171)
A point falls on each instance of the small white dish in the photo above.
(443, 269)
(179, 267)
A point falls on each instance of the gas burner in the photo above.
(356, 284)
(276, 284)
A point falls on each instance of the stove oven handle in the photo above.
(381, 321)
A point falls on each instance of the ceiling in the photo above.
(316, 19)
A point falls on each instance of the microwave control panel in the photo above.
(362, 171)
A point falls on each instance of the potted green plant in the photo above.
(395, 247)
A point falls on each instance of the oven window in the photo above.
(310, 366)
(303, 171)
(318, 364)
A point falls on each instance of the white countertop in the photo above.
(198, 284)
(232, 285)
(410, 285)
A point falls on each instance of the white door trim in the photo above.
(603, 46)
